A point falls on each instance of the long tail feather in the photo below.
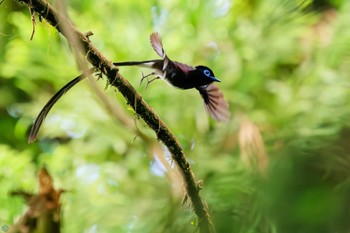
(214, 101)
(147, 63)
(42, 115)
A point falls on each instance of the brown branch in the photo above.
(133, 98)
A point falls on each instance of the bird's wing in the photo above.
(214, 101)
(185, 68)
(156, 42)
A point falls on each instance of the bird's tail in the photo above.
(147, 63)
(42, 115)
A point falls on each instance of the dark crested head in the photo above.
(207, 72)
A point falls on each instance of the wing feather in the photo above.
(214, 102)
(156, 42)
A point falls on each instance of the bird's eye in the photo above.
(207, 73)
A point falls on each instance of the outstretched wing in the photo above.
(214, 101)
(156, 42)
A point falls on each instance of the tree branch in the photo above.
(133, 98)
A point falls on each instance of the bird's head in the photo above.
(207, 73)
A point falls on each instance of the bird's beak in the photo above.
(215, 79)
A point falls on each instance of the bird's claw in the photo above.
(146, 77)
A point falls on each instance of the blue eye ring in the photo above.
(207, 73)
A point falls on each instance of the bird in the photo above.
(184, 76)
(174, 73)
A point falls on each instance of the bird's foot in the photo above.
(146, 77)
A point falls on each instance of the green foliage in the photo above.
(284, 66)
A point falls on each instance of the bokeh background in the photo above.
(282, 163)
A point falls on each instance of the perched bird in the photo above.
(174, 73)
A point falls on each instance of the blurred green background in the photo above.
(282, 163)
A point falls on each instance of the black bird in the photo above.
(174, 73)
(185, 77)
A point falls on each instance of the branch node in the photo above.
(88, 34)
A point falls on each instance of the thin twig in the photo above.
(134, 99)
(32, 15)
